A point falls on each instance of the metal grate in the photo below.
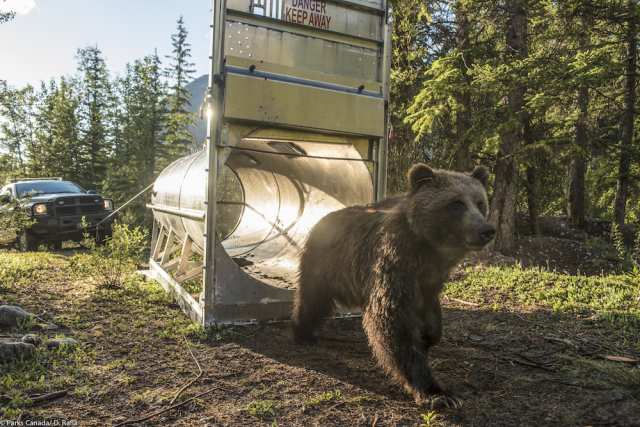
(268, 8)
(79, 205)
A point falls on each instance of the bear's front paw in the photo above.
(439, 399)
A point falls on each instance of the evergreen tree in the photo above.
(94, 112)
(16, 128)
(60, 150)
(43, 137)
(628, 119)
(6, 16)
(137, 137)
(177, 140)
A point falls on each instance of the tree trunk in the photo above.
(622, 190)
(503, 203)
(576, 199)
(462, 157)
(533, 181)
(576, 204)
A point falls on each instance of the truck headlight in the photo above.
(40, 209)
(108, 204)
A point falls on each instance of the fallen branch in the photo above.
(623, 359)
(530, 364)
(182, 389)
(463, 302)
(190, 383)
(47, 397)
(167, 409)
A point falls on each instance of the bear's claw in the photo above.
(441, 400)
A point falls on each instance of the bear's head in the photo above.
(449, 209)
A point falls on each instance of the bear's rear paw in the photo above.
(439, 399)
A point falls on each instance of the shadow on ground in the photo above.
(511, 369)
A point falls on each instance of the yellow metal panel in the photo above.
(302, 73)
(284, 26)
(294, 50)
(287, 104)
(336, 17)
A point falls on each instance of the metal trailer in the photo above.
(297, 112)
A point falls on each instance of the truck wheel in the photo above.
(27, 242)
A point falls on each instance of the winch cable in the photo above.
(112, 214)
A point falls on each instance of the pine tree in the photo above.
(43, 134)
(177, 139)
(94, 113)
(6, 16)
(60, 151)
(13, 134)
(137, 138)
(628, 119)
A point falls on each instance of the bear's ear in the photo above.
(420, 174)
(481, 173)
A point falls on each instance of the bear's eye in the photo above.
(457, 206)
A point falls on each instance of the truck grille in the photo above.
(79, 205)
(89, 209)
(66, 211)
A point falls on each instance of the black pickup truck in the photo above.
(57, 209)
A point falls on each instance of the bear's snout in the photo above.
(487, 233)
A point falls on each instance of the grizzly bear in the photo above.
(391, 259)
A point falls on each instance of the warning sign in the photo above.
(312, 13)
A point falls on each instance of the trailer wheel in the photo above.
(27, 242)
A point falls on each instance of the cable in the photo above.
(112, 214)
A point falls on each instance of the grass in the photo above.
(606, 374)
(614, 298)
(262, 409)
(57, 370)
(429, 419)
(322, 398)
(74, 300)
(129, 333)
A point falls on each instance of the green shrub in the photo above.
(629, 257)
(117, 257)
(13, 221)
(262, 409)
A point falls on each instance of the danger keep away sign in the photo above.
(312, 13)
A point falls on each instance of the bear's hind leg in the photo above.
(311, 307)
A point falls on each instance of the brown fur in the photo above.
(391, 259)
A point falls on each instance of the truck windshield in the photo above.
(34, 188)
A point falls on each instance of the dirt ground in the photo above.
(513, 366)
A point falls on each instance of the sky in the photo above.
(41, 42)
